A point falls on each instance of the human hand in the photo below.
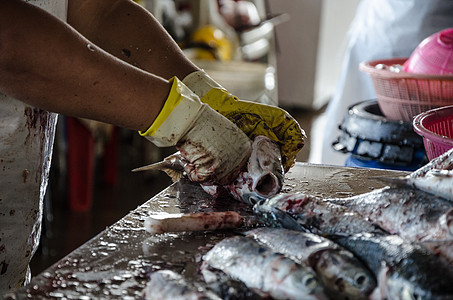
(252, 118)
(214, 148)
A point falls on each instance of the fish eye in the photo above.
(360, 279)
(310, 282)
(261, 202)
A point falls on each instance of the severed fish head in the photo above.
(261, 178)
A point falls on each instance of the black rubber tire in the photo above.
(368, 135)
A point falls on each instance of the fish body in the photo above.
(435, 178)
(436, 182)
(443, 248)
(342, 274)
(167, 284)
(299, 211)
(442, 162)
(226, 287)
(261, 178)
(262, 269)
(410, 213)
(406, 270)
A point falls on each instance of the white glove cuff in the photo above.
(179, 121)
(200, 83)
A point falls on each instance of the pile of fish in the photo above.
(404, 235)
(391, 243)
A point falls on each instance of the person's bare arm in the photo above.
(45, 63)
(128, 31)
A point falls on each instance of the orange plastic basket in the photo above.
(436, 128)
(401, 96)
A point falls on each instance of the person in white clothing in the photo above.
(111, 62)
(381, 29)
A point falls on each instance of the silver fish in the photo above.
(262, 177)
(167, 284)
(436, 182)
(404, 270)
(299, 211)
(262, 269)
(442, 162)
(410, 213)
(342, 274)
(226, 287)
(435, 177)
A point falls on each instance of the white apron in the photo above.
(381, 29)
(26, 140)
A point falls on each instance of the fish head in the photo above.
(263, 176)
(301, 284)
(398, 287)
(344, 276)
(264, 167)
(273, 216)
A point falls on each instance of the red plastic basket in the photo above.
(436, 128)
(401, 96)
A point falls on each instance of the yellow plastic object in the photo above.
(260, 119)
(174, 97)
(212, 44)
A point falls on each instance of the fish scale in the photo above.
(343, 275)
(304, 212)
(410, 213)
(260, 268)
(411, 270)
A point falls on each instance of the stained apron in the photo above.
(26, 141)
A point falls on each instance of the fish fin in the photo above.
(442, 162)
(441, 173)
(287, 221)
(381, 278)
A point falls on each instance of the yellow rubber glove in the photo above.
(215, 149)
(252, 118)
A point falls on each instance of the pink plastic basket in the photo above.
(401, 96)
(434, 55)
(436, 128)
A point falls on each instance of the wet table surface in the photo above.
(116, 264)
